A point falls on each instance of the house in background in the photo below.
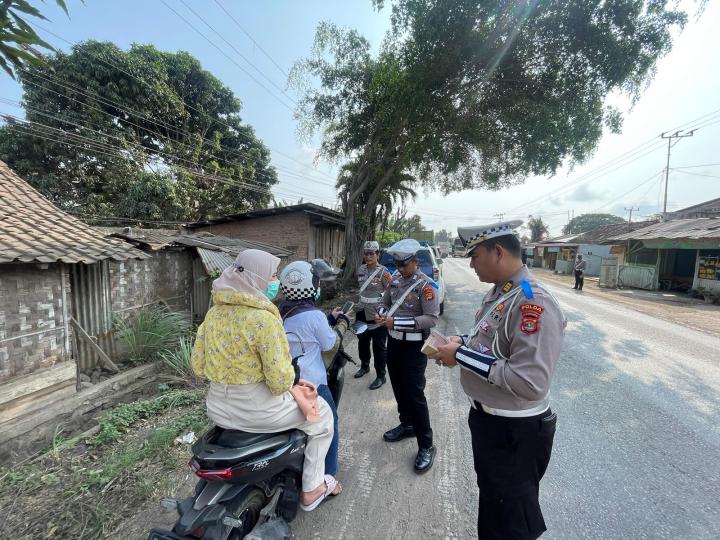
(677, 255)
(307, 230)
(201, 256)
(705, 209)
(559, 253)
(54, 285)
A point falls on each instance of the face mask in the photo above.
(272, 289)
(317, 294)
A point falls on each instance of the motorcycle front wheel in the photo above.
(246, 508)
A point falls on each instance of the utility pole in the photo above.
(631, 210)
(677, 135)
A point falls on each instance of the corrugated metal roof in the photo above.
(215, 261)
(691, 229)
(328, 214)
(605, 233)
(230, 245)
(33, 230)
(154, 239)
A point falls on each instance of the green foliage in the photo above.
(17, 38)
(178, 362)
(140, 133)
(117, 422)
(476, 95)
(588, 222)
(443, 236)
(538, 229)
(151, 331)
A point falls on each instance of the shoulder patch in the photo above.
(428, 292)
(531, 309)
(530, 320)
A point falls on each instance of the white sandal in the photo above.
(331, 484)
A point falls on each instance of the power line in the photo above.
(103, 149)
(143, 81)
(130, 112)
(233, 19)
(211, 42)
(236, 50)
(695, 174)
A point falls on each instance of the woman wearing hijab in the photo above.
(242, 349)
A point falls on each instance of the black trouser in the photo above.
(406, 366)
(510, 456)
(579, 279)
(378, 336)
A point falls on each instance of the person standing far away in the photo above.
(507, 363)
(410, 309)
(373, 280)
(580, 266)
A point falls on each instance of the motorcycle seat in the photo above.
(233, 438)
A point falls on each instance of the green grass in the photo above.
(117, 422)
(152, 331)
(85, 489)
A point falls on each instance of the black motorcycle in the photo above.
(250, 483)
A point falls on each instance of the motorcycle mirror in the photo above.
(358, 327)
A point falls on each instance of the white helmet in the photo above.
(298, 281)
(371, 245)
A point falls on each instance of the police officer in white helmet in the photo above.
(411, 309)
(373, 281)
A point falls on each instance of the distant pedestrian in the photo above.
(580, 265)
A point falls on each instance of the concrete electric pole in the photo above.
(677, 135)
(631, 210)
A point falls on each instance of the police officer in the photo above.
(507, 364)
(373, 280)
(411, 309)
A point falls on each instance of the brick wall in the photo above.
(31, 301)
(289, 231)
(167, 275)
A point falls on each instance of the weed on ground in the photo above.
(82, 488)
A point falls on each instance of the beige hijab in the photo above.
(251, 273)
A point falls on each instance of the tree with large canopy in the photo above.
(588, 222)
(140, 134)
(469, 94)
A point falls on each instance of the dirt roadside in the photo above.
(674, 307)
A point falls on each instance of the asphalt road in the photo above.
(637, 451)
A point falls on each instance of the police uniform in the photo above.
(372, 283)
(507, 364)
(413, 304)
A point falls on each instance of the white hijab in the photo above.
(251, 273)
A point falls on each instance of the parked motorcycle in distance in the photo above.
(250, 483)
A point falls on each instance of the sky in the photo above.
(253, 55)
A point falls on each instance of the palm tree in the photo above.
(395, 192)
(538, 229)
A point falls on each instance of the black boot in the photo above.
(362, 372)
(399, 433)
(424, 459)
(377, 383)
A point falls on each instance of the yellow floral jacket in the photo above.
(242, 341)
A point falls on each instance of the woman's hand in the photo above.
(336, 312)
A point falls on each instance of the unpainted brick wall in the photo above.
(30, 301)
(167, 275)
(289, 231)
